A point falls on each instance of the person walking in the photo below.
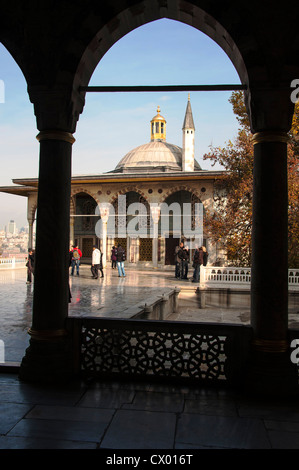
(121, 257)
(30, 265)
(76, 256)
(96, 262)
(197, 262)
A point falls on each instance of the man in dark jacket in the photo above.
(177, 260)
(183, 256)
(197, 262)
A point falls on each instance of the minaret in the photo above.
(188, 139)
(158, 127)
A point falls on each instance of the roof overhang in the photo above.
(25, 187)
(18, 190)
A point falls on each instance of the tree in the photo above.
(230, 223)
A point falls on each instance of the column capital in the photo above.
(272, 346)
(155, 212)
(56, 135)
(270, 136)
(104, 212)
(269, 107)
(47, 335)
(56, 108)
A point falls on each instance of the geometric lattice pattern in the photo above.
(145, 353)
(153, 349)
(145, 249)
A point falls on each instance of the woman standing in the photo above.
(113, 257)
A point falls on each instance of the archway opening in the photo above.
(119, 121)
(85, 220)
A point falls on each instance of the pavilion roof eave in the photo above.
(29, 184)
(18, 190)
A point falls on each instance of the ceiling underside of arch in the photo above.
(58, 44)
(51, 40)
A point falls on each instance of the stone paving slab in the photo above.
(20, 442)
(222, 432)
(128, 415)
(140, 429)
(64, 430)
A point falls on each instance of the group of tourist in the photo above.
(182, 259)
(118, 257)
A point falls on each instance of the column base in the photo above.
(47, 361)
(271, 374)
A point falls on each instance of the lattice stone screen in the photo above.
(145, 249)
(159, 349)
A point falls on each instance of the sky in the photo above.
(164, 52)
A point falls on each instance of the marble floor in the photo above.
(142, 420)
(110, 296)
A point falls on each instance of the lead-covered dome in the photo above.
(153, 156)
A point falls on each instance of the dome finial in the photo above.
(158, 127)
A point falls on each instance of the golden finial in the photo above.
(158, 110)
(188, 96)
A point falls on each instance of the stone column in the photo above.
(104, 211)
(30, 234)
(48, 356)
(31, 203)
(155, 216)
(270, 371)
(72, 230)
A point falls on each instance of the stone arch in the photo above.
(181, 187)
(184, 187)
(79, 46)
(123, 20)
(125, 190)
(76, 191)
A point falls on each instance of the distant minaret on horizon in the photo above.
(188, 139)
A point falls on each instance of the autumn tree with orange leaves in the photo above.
(231, 220)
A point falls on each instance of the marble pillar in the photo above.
(270, 367)
(30, 234)
(72, 230)
(155, 216)
(48, 356)
(104, 211)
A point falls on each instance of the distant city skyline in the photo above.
(112, 124)
(6, 227)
